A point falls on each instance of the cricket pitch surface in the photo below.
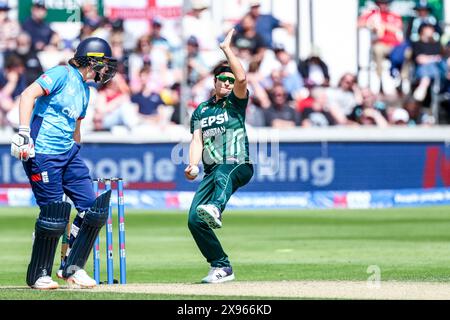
(296, 289)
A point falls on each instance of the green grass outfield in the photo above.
(406, 244)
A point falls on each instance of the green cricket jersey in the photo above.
(223, 130)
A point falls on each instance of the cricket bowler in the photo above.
(220, 140)
(48, 144)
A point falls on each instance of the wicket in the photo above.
(108, 183)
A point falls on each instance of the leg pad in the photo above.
(49, 227)
(94, 219)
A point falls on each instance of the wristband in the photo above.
(24, 129)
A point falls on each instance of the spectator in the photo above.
(118, 31)
(126, 35)
(415, 113)
(370, 112)
(249, 39)
(160, 45)
(12, 83)
(148, 106)
(322, 113)
(201, 91)
(347, 94)
(175, 102)
(147, 78)
(244, 53)
(106, 29)
(147, 98)
(89, 29)
(280, 114)
(291, 78)
(387, 29)
(114, 107)
(145, 55)
(255, 116)
(399, 117)
(305, 101)
(196, 65)
(90, 14)
(141, 56)
(40, 31)
(314, 70)
(427, 55)
(400, 57)
(198, 23)
(117, 27)
(259, 99)
(94, 25)
(13, 80)
(29, 57)
(119, 52)
(423, 16)
(9, 29)
(265, 24)
(445, 91)
(155, 34)
(275, 77)
(54, 53)
(371, 117)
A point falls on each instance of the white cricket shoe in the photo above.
(80, 279)
(211, 215)
(219, 275)
(59, 274)
(45, 283)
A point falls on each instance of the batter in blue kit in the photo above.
(48, 143)
(57, 167)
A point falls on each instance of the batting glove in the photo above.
(22, 145)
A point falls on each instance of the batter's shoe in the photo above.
(59, 274)
(219, 275)
(80, 279)
(45, 283)
(211, 215)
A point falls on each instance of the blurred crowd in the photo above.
(418, 55)
(155, 75)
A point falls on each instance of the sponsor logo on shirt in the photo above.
(219, 119)
(213, 132)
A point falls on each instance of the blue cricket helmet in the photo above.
(96, 53)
